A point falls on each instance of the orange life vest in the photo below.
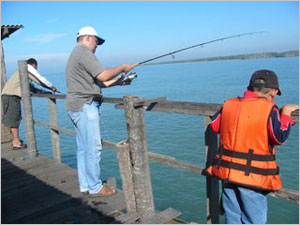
(245, 156)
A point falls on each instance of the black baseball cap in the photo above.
(269, 77)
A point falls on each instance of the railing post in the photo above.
(54, 133)
(5, 134)
(27, 109)
(139, 157)
(212, 183)
(126, 176)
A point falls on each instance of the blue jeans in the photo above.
(244, 206)
(88, 138)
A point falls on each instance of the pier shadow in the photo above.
(26, 199)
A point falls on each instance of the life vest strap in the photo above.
(243, 155)
(248, 169)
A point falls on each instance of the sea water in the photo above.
(182, 136)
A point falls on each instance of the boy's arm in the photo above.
(216, 121)
(39, 79)
(279, 126)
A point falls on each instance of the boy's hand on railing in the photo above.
(288, 109)
(54, 89)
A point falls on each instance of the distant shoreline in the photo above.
(234, 57)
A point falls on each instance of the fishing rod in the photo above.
(128, 78)
(202, 44)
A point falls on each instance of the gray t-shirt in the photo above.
(81, 71)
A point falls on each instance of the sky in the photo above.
(135, 31)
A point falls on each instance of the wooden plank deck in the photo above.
(41, 190)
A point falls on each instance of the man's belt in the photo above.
(98, 98)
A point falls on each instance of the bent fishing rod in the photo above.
(202, 44)
(131, 76)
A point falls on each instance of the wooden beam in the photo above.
(148, 102)
(212, 183)
(192, 108)
(139, 158)
(162, 217)
(54, 132)
(171, 161)
(5, 131)
(27, 109)
(286, 194)
(126, 177)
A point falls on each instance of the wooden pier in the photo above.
(36, 189)
(41, 190)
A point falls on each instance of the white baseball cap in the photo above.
(90, 31)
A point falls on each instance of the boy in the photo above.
(250, 127)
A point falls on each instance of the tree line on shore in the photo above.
(234, 57)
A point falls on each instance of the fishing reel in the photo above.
(129, 77)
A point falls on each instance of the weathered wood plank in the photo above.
(27, 165)
(162, 217)
(126, 177)
(286, 194)
(193, 108)
(53, 127)
(45, 188)
(56, 96)
(27, 108)
(148, 102)
(132, 218)
(54, 133)
(107, 205)
(72, 211)
(139, 158)
(212, 183)
(30, 199)
(171, 161)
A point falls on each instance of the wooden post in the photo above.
(54, 133)
(139, 157)
(27, 109)
(212, 183)
(126, 176)
(5, 134)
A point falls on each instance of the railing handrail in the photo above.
(187, 108)
(182, 107)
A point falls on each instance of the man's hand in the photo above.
(121, 81)
(288, 109)
(128, 67)
(54, 89)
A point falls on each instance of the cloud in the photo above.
(45, 38)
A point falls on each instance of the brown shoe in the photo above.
(106, 191)
(22, 146)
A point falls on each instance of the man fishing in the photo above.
(85, 77)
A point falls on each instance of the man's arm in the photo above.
(116, 81)
(39, 79)
(36, 89)
(109, 74)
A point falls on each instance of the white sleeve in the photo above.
(38, 76)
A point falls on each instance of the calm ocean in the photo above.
(179, 135)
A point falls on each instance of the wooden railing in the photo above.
(133, 154)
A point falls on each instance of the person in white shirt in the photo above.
(11, 100)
